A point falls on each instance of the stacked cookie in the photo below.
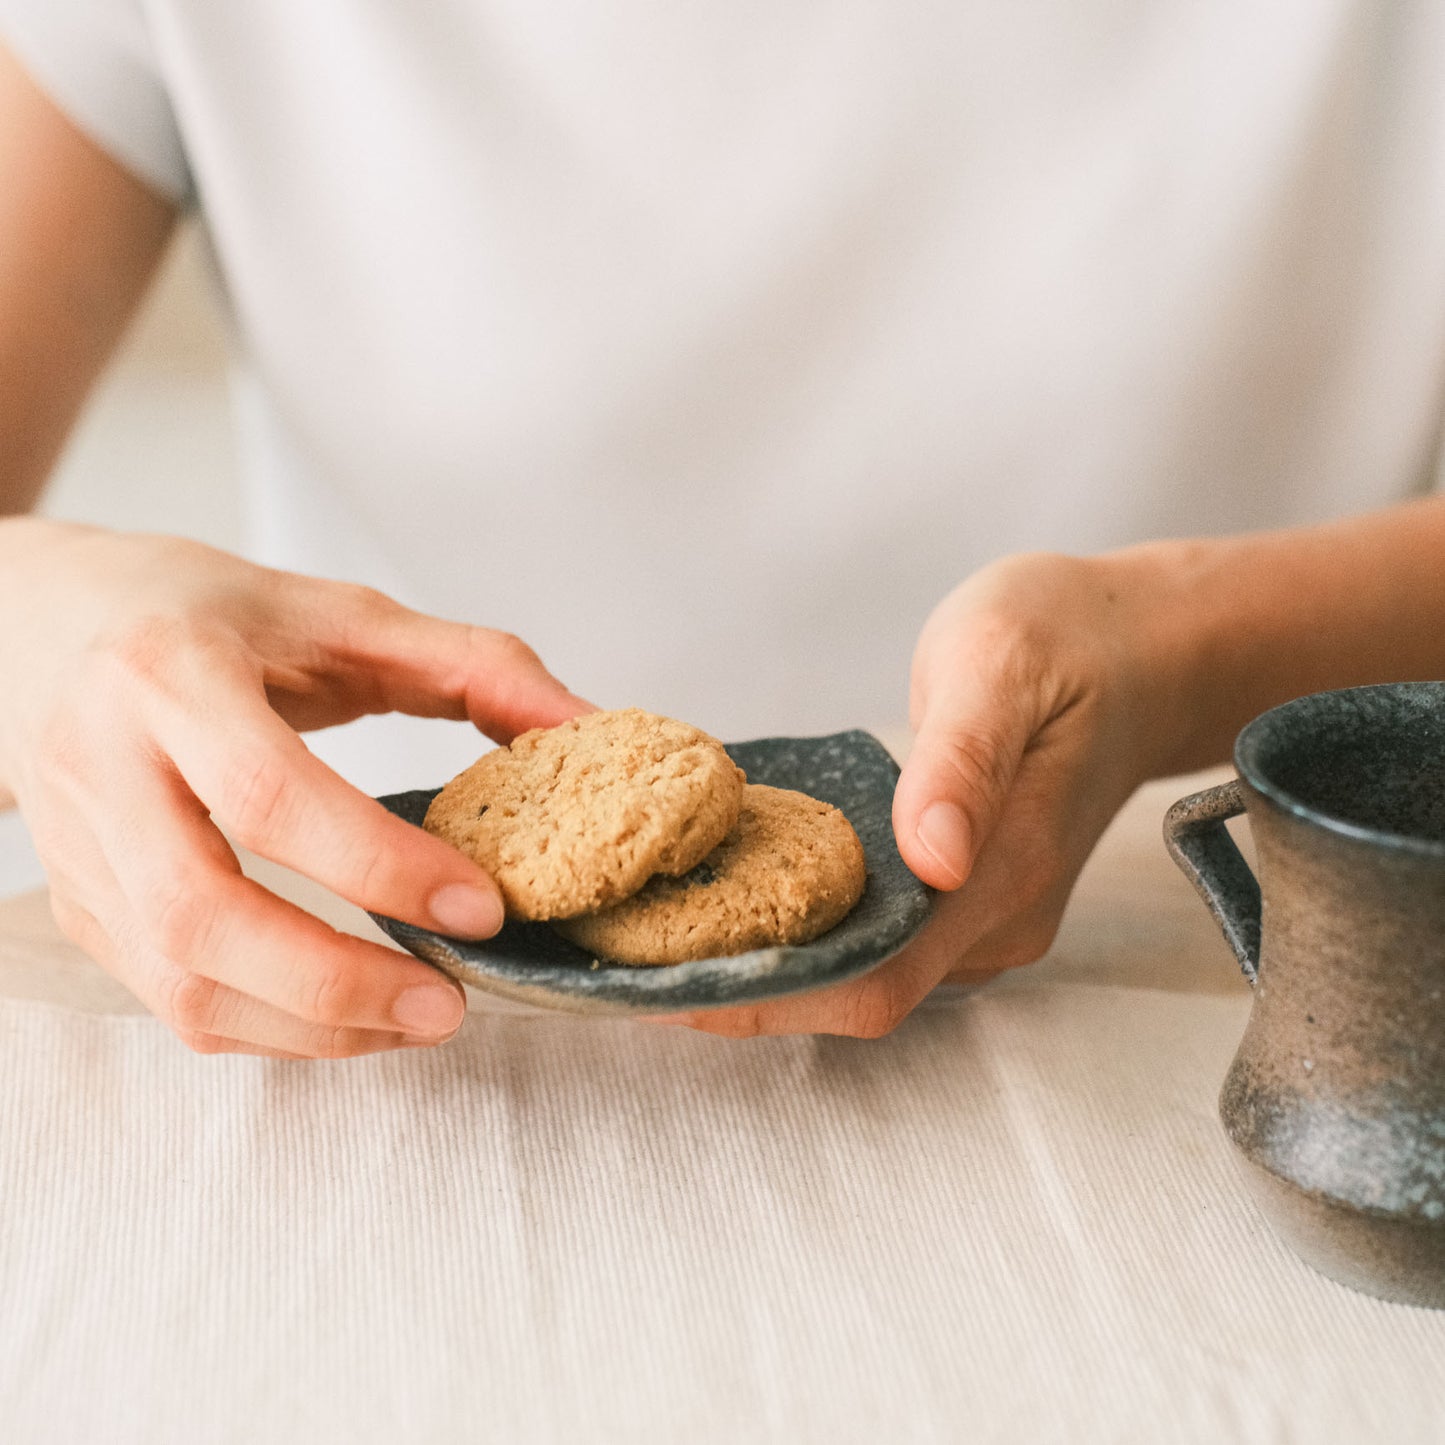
(638, 838)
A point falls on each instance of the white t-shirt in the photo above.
(708, 345)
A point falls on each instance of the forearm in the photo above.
(79, 240)
(1239, 624)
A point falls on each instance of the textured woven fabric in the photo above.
(1017, 1219)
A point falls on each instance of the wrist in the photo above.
(1180, 664)
(32, 524)
(1225, 628)
(25, 537)
(30, 557)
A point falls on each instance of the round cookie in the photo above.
(791, 869)
(580, 816)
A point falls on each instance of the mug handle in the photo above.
(1199, 843)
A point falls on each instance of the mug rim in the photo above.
(1248, 743)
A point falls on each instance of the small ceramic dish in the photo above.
(531, 963)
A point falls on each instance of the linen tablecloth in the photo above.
(1015, 1219)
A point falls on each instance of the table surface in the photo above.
(1015, 1219)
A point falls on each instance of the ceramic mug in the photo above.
(1336, 1098)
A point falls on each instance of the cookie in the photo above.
(790, 870)
(580, 816)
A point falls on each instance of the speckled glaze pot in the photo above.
(1336, 1099)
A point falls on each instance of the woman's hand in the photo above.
(152, 694)
(1037, 711)
(1046, 688)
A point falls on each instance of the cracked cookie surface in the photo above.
(790, 870)
(580, 816)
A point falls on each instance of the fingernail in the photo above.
(943, 831)
(430, 1009)
(466, 911)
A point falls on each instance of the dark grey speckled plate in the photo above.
(529, 962)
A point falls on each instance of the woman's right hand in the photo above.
(153, 692)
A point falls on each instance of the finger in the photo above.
(229, 929)
(433, 668)
(971, 737)
(215, 1044)
(970, 938)
(265, 787)
(865, 1008)
(196, 909)
(207, 1017)
(1010, 911)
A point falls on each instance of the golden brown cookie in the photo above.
(790, 870)
(580, 816)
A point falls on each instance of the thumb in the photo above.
(970, 741)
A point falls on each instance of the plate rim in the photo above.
(654, 988)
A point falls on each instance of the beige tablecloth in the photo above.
(1017, 1219)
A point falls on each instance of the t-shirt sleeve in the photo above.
(98, 61)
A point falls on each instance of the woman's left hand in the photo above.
(1037, 711)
